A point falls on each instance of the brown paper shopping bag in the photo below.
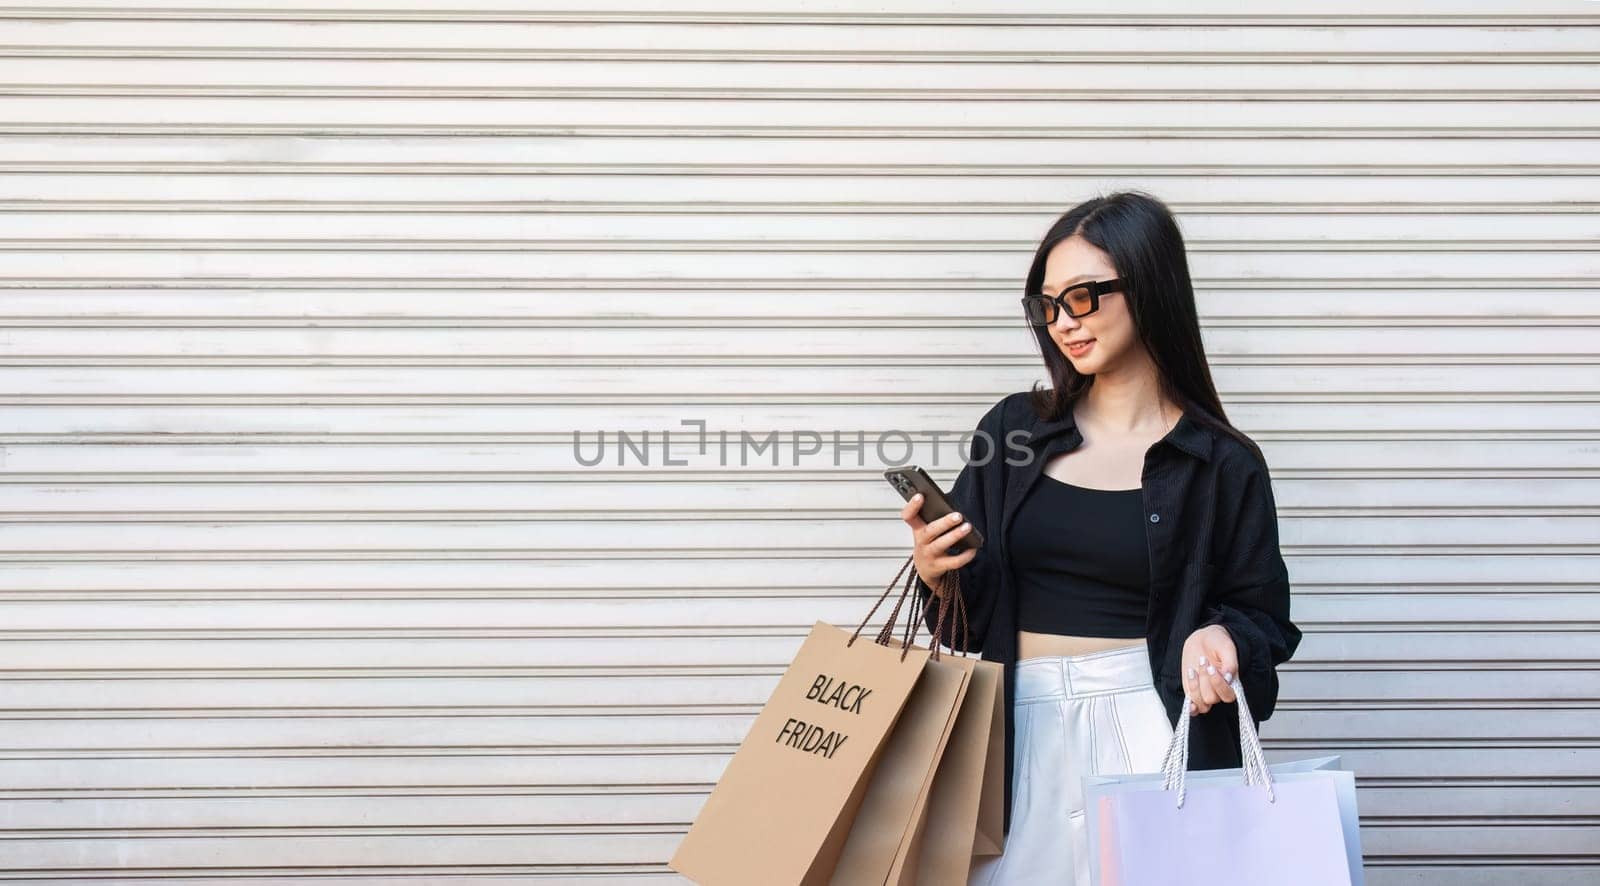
(964, 816)
(932, 770)
(878, 849)
(963, 820)
(990, 837)
(783, 807)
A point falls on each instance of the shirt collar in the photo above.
(1188, 434)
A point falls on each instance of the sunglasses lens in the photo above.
(1039, 311)
(1078, 302)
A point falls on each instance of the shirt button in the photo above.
(1155, 518)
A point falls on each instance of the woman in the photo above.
(1131, 556)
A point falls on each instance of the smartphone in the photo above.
(910, 480)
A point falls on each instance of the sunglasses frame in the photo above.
(1058, 302)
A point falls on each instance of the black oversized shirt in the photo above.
(1211, 526)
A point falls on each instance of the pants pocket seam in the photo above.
(1122, 739)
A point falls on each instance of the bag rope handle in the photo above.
(1254, 767)
(885, 635)
(948, 613)
(959, 608)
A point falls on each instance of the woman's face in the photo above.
(1075, 260)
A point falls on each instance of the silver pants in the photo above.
(1075, 715)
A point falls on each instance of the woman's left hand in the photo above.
(1209, 662)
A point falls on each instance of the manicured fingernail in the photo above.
(1211, 670)
(1191, 673)
(1227, 675)
(1202, 659)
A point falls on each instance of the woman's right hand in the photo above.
(932, 542)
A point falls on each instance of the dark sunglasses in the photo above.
(1079, 300)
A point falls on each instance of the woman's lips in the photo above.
(1080, 350)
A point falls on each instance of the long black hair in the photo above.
(1141, 236)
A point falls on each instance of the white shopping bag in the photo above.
(1292, 822)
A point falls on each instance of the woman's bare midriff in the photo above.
(1033, 645)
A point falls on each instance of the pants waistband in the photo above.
(1070, 676)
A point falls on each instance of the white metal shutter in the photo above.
(303, 302)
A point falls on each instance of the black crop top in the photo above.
(1081, 562)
